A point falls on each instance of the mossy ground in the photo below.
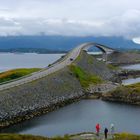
(129, 94)
(85, 78)
(129, 89)
(16, 73)
(20, 137)
(29, 137)
(122, 136)
(126, 136)
(134, 88)
(112, 67)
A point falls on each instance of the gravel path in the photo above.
(89, 136)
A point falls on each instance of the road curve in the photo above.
(56, 67)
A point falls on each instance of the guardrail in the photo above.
(43, 69)
(80, 47)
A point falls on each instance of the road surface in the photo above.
(67, 60)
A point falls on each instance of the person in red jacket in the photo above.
(98, 129)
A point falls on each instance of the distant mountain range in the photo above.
(44, 44)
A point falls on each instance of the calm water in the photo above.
(78, 117)
(82, 116)
(27, 60)
(132, 80)
(132, 67)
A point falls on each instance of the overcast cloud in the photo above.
(70, 17)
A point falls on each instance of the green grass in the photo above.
(128, 89)
(111, 67)
(20, 137)
(85, 78)
(134, 88)
(16, 73)
(126, 136)
(122, 136)
(90, 60)
(29, 137)
(66, 137)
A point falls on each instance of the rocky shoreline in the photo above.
(126, 94)
(95, 93)
(126, 74)
(37, 112)
(40, 97)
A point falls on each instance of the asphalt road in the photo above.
(53, 68)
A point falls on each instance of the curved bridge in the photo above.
(103, 48)
(106, 50)
(67, 60)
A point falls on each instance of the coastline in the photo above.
(60, 92)
(129, 94)
(78, 136)
(38, 112)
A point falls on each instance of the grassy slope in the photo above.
(112, 67)
(29, 137)
(134, 88)
(126, 136)
(88, 70)
(129, 89)
(20, 137)
(126, 94)
(16, 73)
(93, 66)
(85, 78)
(122, 136)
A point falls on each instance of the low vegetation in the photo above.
(16, 73)
(20, 137)
(85, 78)
(29, 137)
(129, 89)
(126, 136)
(129, 94)
(134, 88)
(90, 60)
(112, 67)
(122, 136)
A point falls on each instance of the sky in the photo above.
(70, 17)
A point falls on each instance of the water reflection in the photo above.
(132, 67)
(82, 116)
(131, 81)
(26, 60)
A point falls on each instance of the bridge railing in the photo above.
(63, 59)
(43, 69)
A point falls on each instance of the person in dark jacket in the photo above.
(105, 133)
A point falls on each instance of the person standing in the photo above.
(112, 128)
(98, 129)
(105, 133)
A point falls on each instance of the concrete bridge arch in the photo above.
(105, 50)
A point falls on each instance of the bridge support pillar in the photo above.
(104, 56)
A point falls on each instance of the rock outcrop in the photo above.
(120, 58)
(48, 93)
(43, 93)
(125, 94)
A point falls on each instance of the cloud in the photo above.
(64, 17)
(127, 25)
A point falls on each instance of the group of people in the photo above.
(112, 129)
